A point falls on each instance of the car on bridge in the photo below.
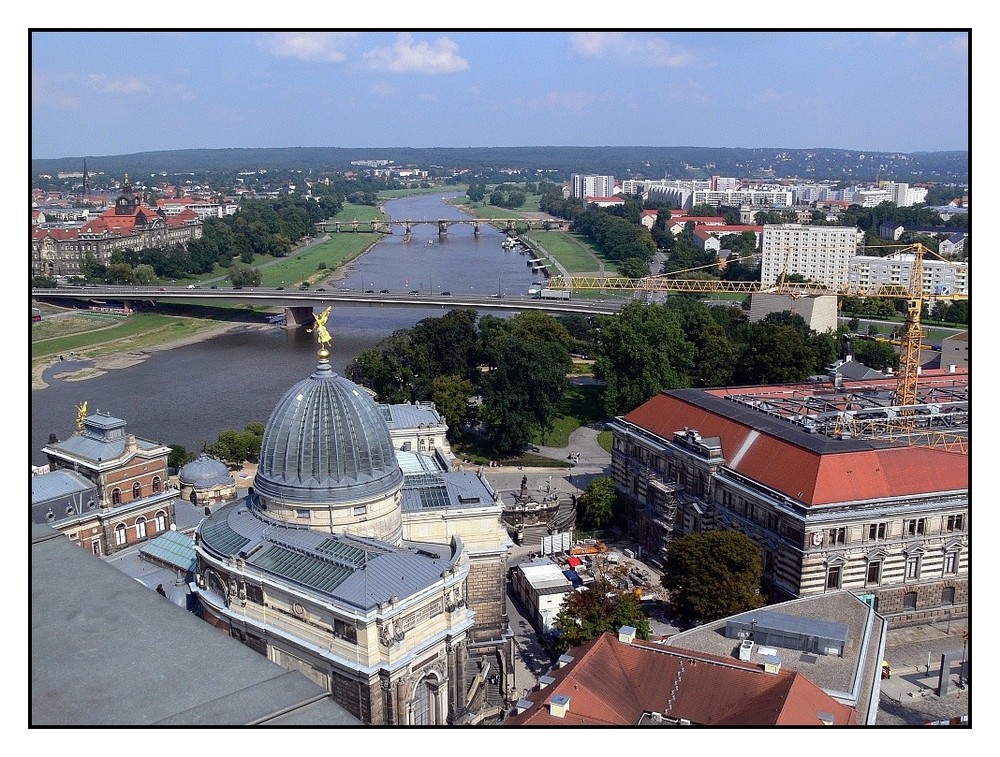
(385, 291)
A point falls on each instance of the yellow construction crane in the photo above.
(913, 292)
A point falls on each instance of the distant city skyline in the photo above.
(98, 93)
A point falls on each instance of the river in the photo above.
(188, 395)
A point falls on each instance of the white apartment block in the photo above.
(768, 198)
(939, 276)
(870, 198)
(585, 185)
(819, 253)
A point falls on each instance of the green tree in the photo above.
(712, 575)
(242, 275)
(178, 456)
(143, 274)
(876, 355)
(521, 395)
(597, 503)
(642, 351)
(235, 447)
(587, 614)
(451, 397)
(633, 268)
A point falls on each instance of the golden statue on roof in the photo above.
(322, 335)
(81, 414)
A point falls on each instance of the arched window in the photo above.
(161, 521)
(422, 704)
(116, 496)
(136, 490)
(156, 484)
(120, 539)
(140, 528)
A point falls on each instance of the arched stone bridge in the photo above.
(508, 225)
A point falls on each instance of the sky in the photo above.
(118, 92)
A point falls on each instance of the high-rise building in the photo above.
(819, 253)
(587, 185)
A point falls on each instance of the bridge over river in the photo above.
(381, 226)
(300, 303)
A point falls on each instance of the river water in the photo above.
(188, 395)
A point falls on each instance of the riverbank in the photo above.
(100, 364)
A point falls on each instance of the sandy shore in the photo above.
(104, 363)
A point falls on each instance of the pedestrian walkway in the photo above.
(911, 695)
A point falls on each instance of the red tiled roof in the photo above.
(813, 478)
(610, 682)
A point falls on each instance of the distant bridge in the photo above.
(508, 225)
(299, 303)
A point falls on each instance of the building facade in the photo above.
(130, 225)
(939, 276)
(106, 489)
(586, 185)
(819, 253)
(828, 508)
(368, 568)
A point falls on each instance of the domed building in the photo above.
(206, 481)
(375, 574)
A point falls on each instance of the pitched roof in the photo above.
(612, 682)
(811, 468)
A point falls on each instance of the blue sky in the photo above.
(108, 92)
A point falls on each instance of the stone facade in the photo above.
(908, 556)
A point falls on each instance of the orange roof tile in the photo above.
(815, 474)
(610, 682)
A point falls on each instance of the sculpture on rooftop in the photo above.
(322, 335)
(81, 414)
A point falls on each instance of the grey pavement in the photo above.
(911, 695)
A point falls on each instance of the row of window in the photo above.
(121, 530)
(912, 571)
(156, 487)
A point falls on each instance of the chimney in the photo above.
(825, 718)
(951, 368)
(522, 705)
(626, 634)
(559, 705)
(564, 660)
(544, 681)
(772, 664)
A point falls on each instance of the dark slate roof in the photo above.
(423, 491)
(92, 629)
(58, 483)
(205, 472)
(103, 438)
(353, 570)
(326, 440)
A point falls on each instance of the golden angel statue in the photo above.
(322, 335)
(81, 414)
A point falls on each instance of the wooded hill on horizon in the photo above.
(553, 163)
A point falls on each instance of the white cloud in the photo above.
(71, 90)
(314, 47)
(405, 56)
(633, 48)
(381, 89)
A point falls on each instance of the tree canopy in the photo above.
(642, 351)
(712, 575)
(597, 503)
(588, 613)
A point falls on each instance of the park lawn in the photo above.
(134, 332)
(362, 213)
(395, 194)
(319, 262)
(572, 251)
(606, 439)
(580, 406)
